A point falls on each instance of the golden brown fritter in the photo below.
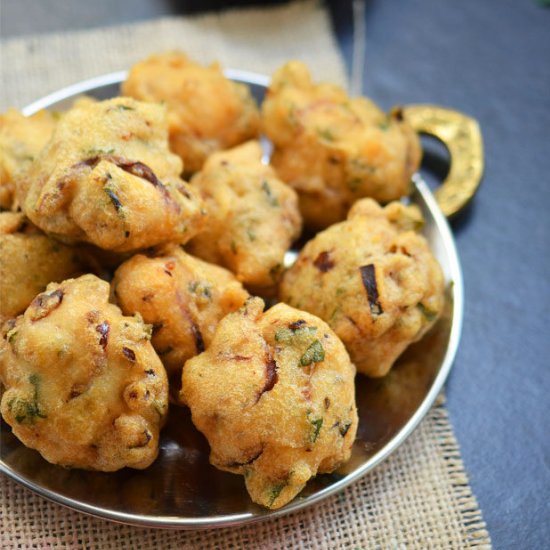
(182, 297)
(29, 260)
(274, 396)
(21, 140)
(84, 386)
(206, 111)
(253, 216)
(373, 279)
(108, 178)
(12, 222)
(334, 149)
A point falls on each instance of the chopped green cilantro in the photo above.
(272, 199)
(314, 354)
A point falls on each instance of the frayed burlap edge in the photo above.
(472, 520)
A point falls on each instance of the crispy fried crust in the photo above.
(21, 140)
(182, 297)
(373, 279)
(334, 149)
(206, 111)
(84, 386)
(253, 217)
(274, 395)
(108, 178)
(29, 260)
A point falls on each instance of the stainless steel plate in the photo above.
(181, 490)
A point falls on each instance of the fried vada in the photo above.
(334, 149)
(83, 385)
(274, 395)
(107, 178)
(373, 279)
(206, 111)
(253, 217)
(182, 297)
(21, 140)
(29, 261)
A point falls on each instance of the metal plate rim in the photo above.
(186, 523)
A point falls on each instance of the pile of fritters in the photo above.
(124, 287)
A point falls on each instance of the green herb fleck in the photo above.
(358, 165)
(287, 334)
(428, 313)
(11, 336)
(314, 354)
(201, 289)
(251, 234)
(344, 428)
(336, 311)
(34, 379)
(98, 152)
(325, 134)
(272, 199)
(283, 335)
(27, 411)
(125, 108)
(317, 424)
(274, 493)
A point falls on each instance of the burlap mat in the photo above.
(420, 497)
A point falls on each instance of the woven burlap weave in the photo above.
(420, 497)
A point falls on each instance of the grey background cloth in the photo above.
(492, 61)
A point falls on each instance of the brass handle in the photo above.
(462, 137)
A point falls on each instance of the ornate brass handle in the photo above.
(462, 137)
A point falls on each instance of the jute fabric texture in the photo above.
(420, 497)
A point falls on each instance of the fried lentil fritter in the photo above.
(107, 177)
(29, 261)
(21, 140)
(84, 386)
(206, 111)
(334, 149)
(182, 297)
(274, 396)
(253, 217)
(373, 279)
